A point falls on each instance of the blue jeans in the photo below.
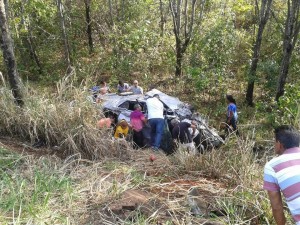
(157, 129)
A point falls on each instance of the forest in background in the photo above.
(112, 40)
(209, 49)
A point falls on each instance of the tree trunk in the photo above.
(162, 18)
(89, 25)
(291, 32)
(68, 58)
(9, 57)
(111, 13)
(264, 17)
(183, 24)
(28, 41)
(284, 69)
(179, 55)
(123, 11)
(33, 52)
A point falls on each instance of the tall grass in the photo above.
(241, 172)
(49, 190)
(53, 191)
(66, 119)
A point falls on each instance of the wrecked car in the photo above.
(121, 106)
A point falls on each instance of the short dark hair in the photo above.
(231, 99)
(287, 135)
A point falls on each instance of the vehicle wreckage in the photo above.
(121, 105)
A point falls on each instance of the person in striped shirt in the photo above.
(282, 174)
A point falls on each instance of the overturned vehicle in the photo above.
(121, 106)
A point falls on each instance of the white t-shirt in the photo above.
(155, 108)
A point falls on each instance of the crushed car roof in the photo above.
(114, 100)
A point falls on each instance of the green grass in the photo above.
(29, 191)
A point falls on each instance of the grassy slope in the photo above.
(44, 189)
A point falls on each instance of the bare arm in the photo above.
(194, 129)
(277, 207)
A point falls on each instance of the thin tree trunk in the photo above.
(111, 13)
(9, 57)
(64, 36)
(183, 32)
(264, 17)
(291, 32)
(162, 18)
(123, 11)
(179, 55)
(33, 51)
(28, 40)
(89, 25)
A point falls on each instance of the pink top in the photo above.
(136, 120)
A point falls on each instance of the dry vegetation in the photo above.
(92, 179)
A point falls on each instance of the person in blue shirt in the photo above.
(231, 116)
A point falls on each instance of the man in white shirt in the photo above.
(156, 120)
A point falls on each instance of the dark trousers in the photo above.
(198, 144)
(138, 139)
(232, 123)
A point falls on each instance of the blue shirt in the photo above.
(232, 108)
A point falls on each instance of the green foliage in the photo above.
(289, 105)
(212, 56)
(127, 38)
(267, 111)
(267, 70)
(243, 11)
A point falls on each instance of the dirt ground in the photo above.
(187, 195)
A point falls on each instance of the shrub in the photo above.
(66, 120)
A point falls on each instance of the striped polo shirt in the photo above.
(283, 173)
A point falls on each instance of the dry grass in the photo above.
(66, 120)
(240, 170)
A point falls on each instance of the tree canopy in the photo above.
(210, 41)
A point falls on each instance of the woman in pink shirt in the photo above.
(137, 120)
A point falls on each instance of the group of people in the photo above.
(148, 131)
(138, 122)
(281, 174)
(135, 88)
(103, 88)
